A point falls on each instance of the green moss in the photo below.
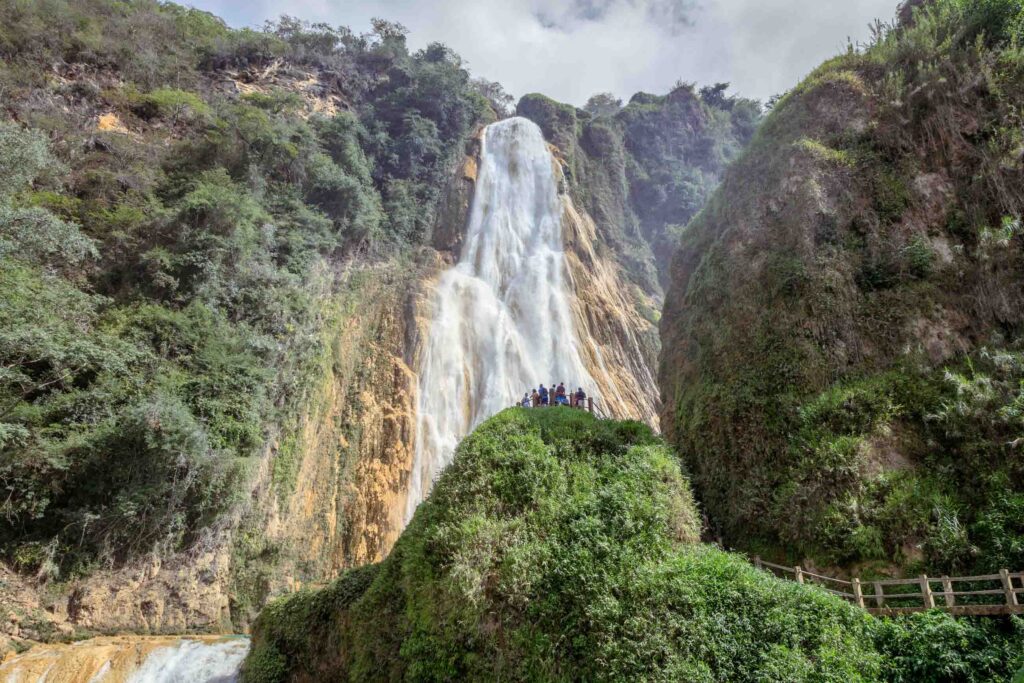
(823, 292)
(557, 547)
(824, 153)
(890, 194)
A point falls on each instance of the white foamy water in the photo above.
(502, 323)
(132, 659)
(193, 660)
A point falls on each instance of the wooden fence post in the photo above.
(947, 588)
(757, 562)
(1011, 595)
(926, 593)
(590, 403)
(799, 574)
(879, 595)
(858, 595)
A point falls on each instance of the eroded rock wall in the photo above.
(619, 345)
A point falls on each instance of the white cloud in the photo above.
(571, 49)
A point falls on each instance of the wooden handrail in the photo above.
(927, 597)
(572, 404)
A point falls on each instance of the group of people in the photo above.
(556, 396)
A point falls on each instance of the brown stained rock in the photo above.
(110, 122)
(618, 345)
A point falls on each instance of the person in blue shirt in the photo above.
(543, 395)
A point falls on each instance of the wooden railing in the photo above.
(985, 595)
(590, 406)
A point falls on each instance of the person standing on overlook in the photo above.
(536, 398)
(543, 395)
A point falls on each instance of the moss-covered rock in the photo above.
(838, 306)
(560, 547)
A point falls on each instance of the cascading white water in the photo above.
(502, 322)
(133, 659)
(193, 661)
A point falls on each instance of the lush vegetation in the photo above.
(558, 547)
(843, 351)
(176, 200)
(645, 169)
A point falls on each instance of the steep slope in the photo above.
(211, 244)
(643, 170)
(842, 358)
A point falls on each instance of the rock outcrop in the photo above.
(620, 346)
(842, 337)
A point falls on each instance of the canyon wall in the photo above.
(841, 342)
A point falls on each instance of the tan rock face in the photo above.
(620, 347)
(179, 594)
(352, 447)
(110, 122)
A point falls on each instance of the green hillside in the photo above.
(557, 547)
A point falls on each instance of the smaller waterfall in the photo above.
(502, 320)
(195, 661)
(131, 659)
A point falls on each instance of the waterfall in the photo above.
(502, 323)
(193, 661)
(133, 659)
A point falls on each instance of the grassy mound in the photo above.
(560, 547)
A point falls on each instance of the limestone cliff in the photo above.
(629, 180)
(842, 337)
(620, 346)
(643, 171)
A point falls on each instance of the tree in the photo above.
(603, 104)
(495, 94)
(714, 96)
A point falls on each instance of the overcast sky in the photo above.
(571, 49)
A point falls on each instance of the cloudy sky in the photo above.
(571, 49)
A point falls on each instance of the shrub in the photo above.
(936, 647)
(173, 104)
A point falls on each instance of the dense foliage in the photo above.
(176, 196)
(558, 547)
(843, 350)
(644, 170)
